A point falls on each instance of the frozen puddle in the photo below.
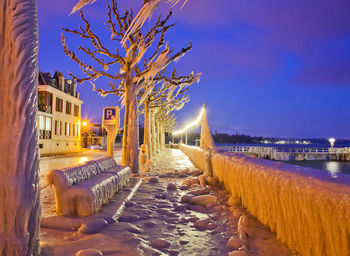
(160, 220)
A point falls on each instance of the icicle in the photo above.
(80, 5)
(145, 13)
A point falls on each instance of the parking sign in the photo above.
(110, 116)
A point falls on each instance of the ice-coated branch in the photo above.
(91, 72)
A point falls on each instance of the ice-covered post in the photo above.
(206, 139)
(19, 156)
(111, 121)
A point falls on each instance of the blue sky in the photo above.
(270, 68)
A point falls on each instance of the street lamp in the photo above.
(331, 140)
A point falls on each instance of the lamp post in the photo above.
(84, 134)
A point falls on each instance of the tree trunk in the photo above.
(161, 137)
(130, 153)
(19, 156)
(158, 136)
(154, 134)
(146, 132)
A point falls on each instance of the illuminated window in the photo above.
(41, 123)
(58, 127)
(48, 124)
(75, 130)
(67, 128)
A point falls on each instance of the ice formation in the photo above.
(307, 209)
(19, 173)
(206, 139)
(83, 189)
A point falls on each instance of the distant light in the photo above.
(331, 140)
(84, 123)
(195, 122)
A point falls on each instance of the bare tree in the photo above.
(132, 77)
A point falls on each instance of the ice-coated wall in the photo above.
(307, 209)
(19, 174)
(196, 155)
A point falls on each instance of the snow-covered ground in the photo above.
(170, 214)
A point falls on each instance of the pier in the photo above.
(292, 154)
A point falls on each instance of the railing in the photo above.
(45, 108)
(257, 150)
(43, 134)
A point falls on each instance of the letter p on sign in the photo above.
(109, 114)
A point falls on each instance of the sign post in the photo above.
(111, 121)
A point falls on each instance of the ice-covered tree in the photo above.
(146, 46)
(19, 155)
(163, 109)
(169, 91)
(146, 12)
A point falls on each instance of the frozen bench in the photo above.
(83, 189)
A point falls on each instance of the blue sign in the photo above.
(109, 114)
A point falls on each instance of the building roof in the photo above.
(68, 86)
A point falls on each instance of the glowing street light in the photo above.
(194, 123)
(331, 140)
(84, 123)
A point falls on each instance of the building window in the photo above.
(44, 127)
(45, 102)
(68, 108)
(67, 129)
(76, 110)
(59, 105)
(48, 124)
(58, 127)
(41, 123)
(75, 130)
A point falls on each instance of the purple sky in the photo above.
(270, 67)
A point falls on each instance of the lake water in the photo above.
(333, 167)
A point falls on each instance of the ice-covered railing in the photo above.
(308, 210)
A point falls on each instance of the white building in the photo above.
(59, 115)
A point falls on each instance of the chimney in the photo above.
(61, 82)
(75, 90)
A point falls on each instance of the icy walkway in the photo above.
(159, 220)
